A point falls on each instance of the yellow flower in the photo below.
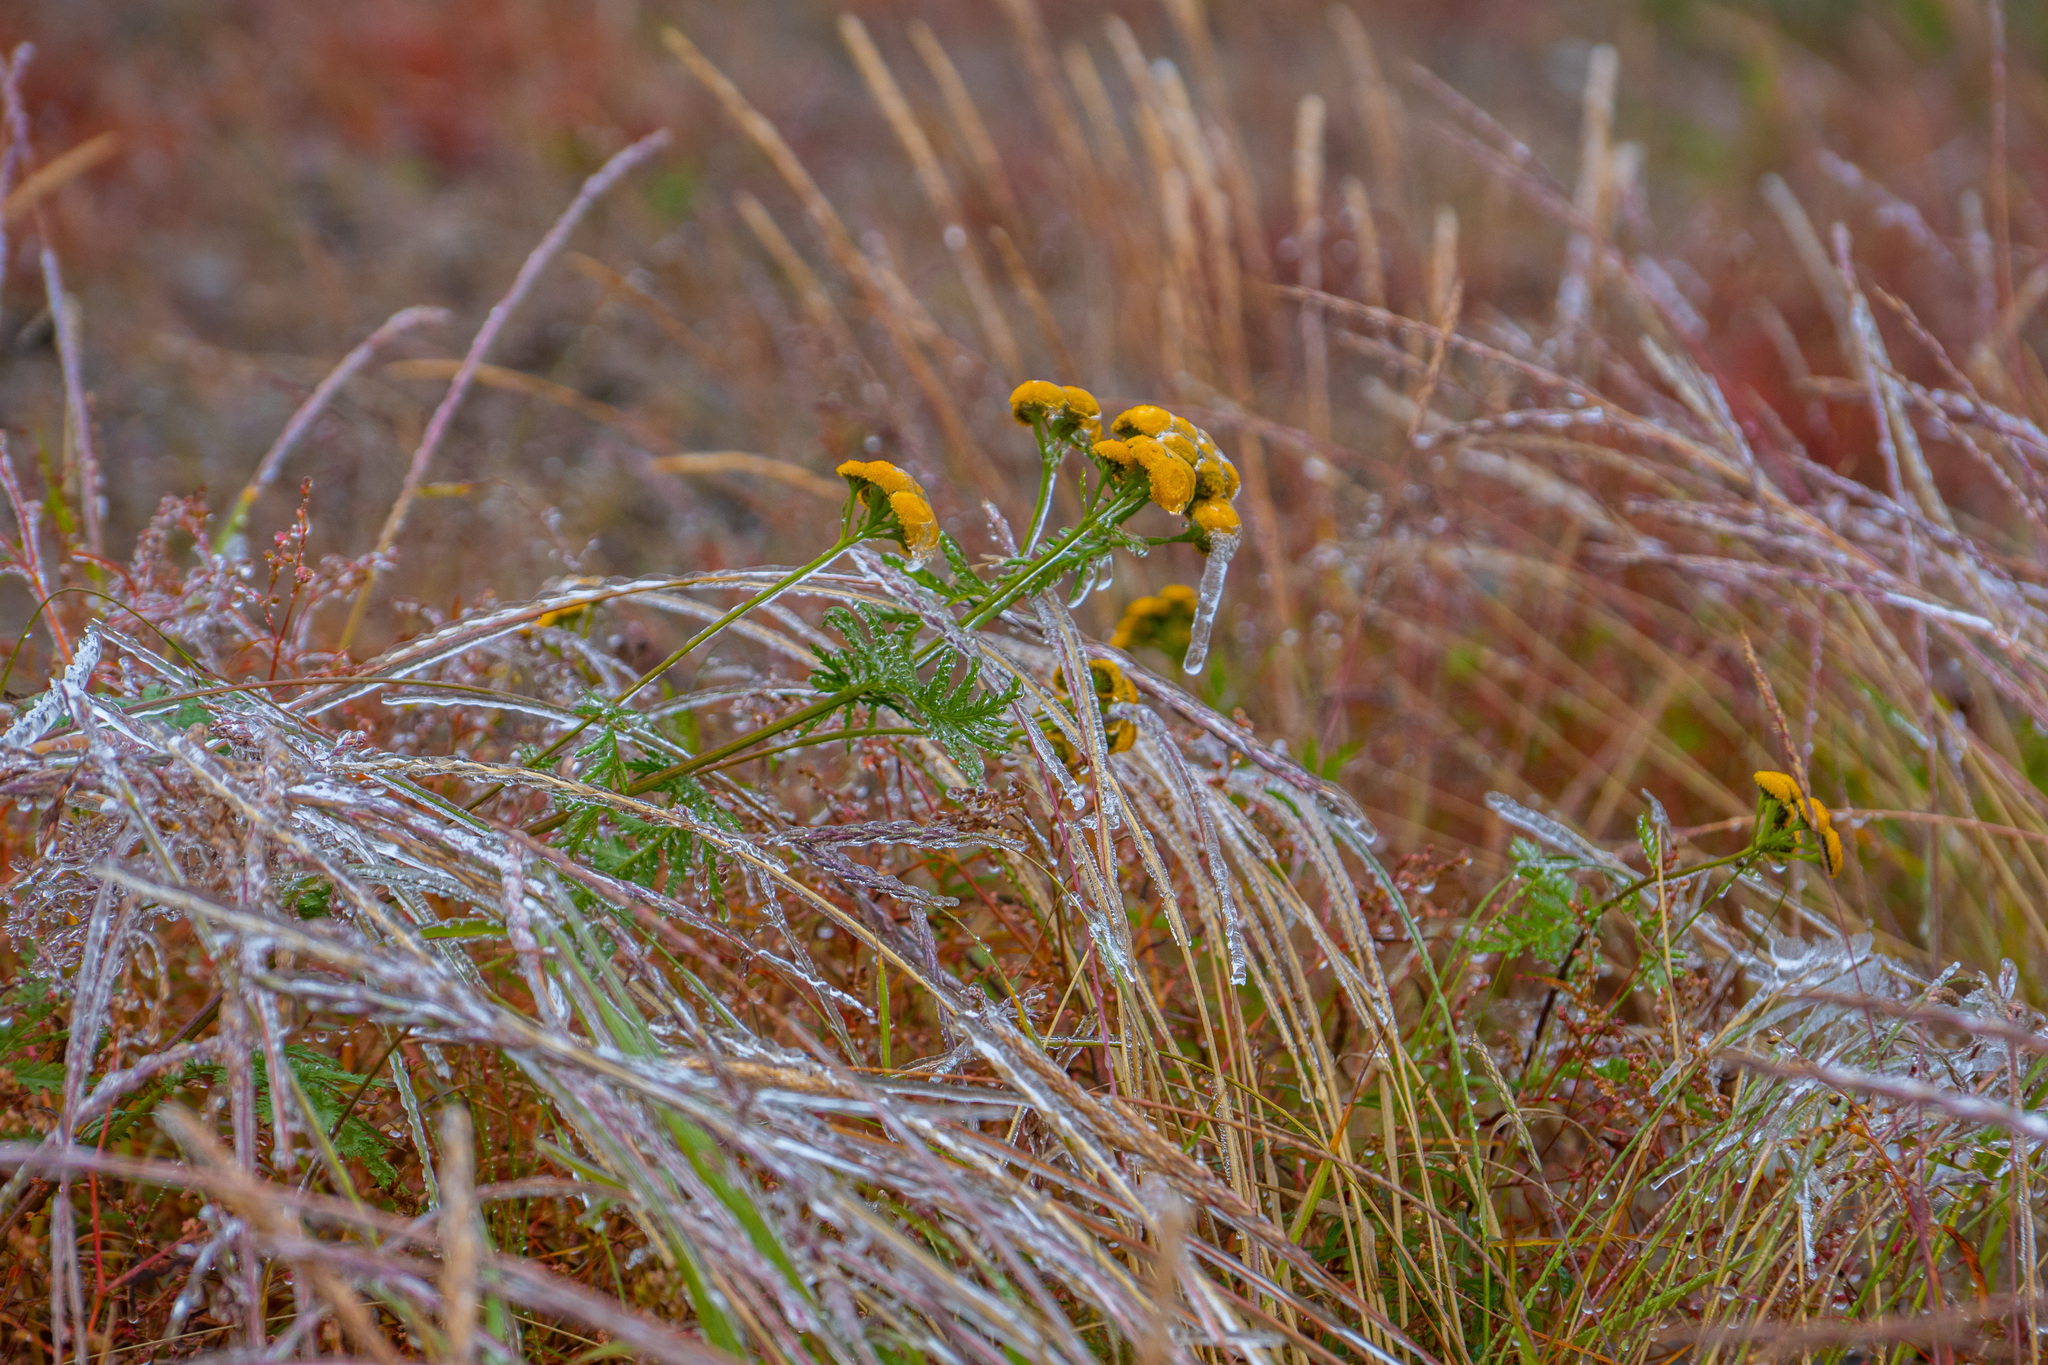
(920, 526)
(1116, 453)
(1111, 686)
(1215, 517)
(1215, 477)
(1164, 622)
(917, 529)
(1830, 842)
(560, 616)
(1143, 420)
(1080, 402)
(1181, 446)
(880, 473)
(1036, 398)
(1781, 790)
(1779, 787)
(1172, 479)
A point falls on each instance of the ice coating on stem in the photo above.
(1109, 944)
(1194, 800)
(1092, 579)
(1552, 832)
(1209, 599)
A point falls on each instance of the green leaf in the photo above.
(329, 1089)
(467, 928)
(1549, 921)
(39, 1076)
(309, 897)
(951, 706)
(963, 586)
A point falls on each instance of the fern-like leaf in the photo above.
(880, 661)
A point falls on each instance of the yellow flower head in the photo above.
(1080, 402)
(1116, 453)
(560, 616)
(1830, 842)
(1171, 478)
(1036, 398)
(1143, 420)
(874, 481)
(1111, 686)
(1165, 622)
(880, 473)
(1779, 787)
(1181, 446)
(1781, 790)
(920, 526)
(1215, 517)
(1215, 477)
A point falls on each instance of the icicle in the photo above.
(1209, 598)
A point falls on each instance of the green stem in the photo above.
(1048, 566)
(1049, 465)
(711, 758)
(847, 540)
(1564, 968)
(882, 1006)
(1644, 881)
(827, 737)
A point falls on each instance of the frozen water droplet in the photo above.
(1208, 600)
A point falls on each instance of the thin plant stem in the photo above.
(768, 594)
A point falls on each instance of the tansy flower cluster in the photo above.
(1182, 467)
(1067, 412)
(1111, 687)
(1165, 622)
(1783, 807)
(891, 493)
